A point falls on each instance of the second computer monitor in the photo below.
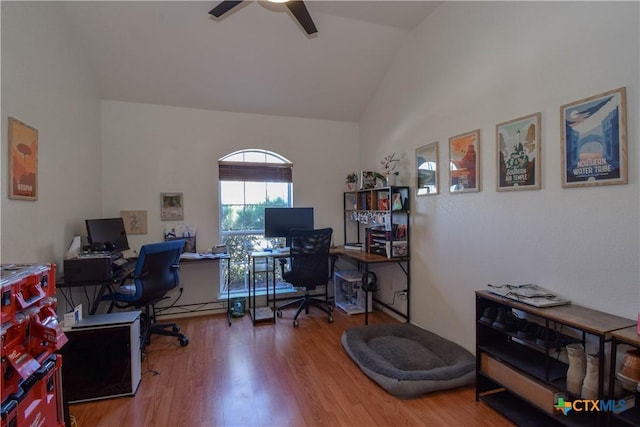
(278, 221)
(107, 234)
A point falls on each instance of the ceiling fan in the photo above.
(297, 8)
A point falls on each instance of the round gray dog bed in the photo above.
(408, 361)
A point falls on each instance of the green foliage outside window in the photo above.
(243, 232)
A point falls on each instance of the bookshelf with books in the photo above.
(377, 220)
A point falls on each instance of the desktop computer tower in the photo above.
(102, 358)
(349, 294)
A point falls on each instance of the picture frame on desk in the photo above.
(368, 180)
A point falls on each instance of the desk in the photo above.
(124, 273)
(363, 259)
(269, 269)
(188, 258)
(116, 278)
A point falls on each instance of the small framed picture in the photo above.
(464, 162)
(594, 140)
(368, 180)
(172, 208)
(518, 149)
(427, 171)
(135, 222)
(23, 161)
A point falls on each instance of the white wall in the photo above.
(475, 64)
(150, 149)
(47, 84)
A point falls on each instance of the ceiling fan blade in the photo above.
(301, 13)
(223, 8)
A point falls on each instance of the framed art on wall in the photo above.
(464, 162)
(518, 148)
(135, 222)
(172, 207)
(427, 171)
(23, 161)
(594, 140)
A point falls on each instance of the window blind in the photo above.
(256, 172)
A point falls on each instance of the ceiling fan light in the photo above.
(278, 1)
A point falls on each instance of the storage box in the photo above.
(348, 292)
(23, 285)
(524, 386)
(102, 357)
(40, 397)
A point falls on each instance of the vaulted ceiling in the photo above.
(254, 59)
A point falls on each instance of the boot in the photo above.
(577, 368)
(590, 384)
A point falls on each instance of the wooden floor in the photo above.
(272, 375)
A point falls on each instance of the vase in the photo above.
(590, 384)
(351, 186)
(391, 180)
(576, 371)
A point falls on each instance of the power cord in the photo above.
(159, 310)
(152, 371)
(395, 294)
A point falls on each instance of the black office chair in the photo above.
(156, 273)
(309, 269)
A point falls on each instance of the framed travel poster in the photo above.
(464, 162)
(427, 170)
(23, 161)
(594, 140)
(518, 142)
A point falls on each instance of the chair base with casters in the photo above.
(150, 327)
(309, 257)
(304, 304)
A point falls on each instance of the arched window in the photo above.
(250, 180)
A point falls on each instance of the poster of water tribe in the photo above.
(519, 153)
(594, 140)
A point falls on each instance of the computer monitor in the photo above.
(107, 234)
(278, 221)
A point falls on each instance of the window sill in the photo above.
(259, 292)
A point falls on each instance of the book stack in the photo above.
(354, 246)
